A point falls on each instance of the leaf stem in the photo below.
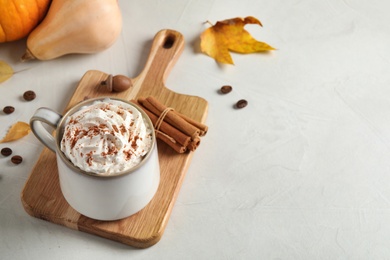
(208, 22)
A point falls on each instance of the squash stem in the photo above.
(27, 56)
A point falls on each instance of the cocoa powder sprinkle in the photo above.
(115, 128)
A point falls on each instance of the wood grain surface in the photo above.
(41, 195)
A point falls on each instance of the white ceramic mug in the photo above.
(102, 197)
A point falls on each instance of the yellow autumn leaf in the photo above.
(17, 131)
(6, 71)
(230, 35)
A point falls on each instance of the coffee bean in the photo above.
(241, 103)
(8, 109)
(29, 95)
(6, 151)
(226, 89)
(16, 159)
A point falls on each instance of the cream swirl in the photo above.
(106, 137)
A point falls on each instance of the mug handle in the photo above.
(49, 117)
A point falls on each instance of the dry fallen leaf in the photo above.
(230, 35)
(16, 132)
(6, 71)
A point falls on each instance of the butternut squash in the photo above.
(75, 26)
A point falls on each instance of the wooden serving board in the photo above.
(42, 197)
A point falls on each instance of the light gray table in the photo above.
(303, 172)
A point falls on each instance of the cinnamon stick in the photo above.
(168, 134)
(172, 118)
(169, 130)
(175, 129)
(176, 146)
(194, 144)
(203, 128)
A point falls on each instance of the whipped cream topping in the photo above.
(106, 137)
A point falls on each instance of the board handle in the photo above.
(166, 49)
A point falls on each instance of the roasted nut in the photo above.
(121, 83)
(29, 95)
(8, 109)
(16, 159)
(241, 103)
(226, 89)
(6, 151)
(117, 83)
